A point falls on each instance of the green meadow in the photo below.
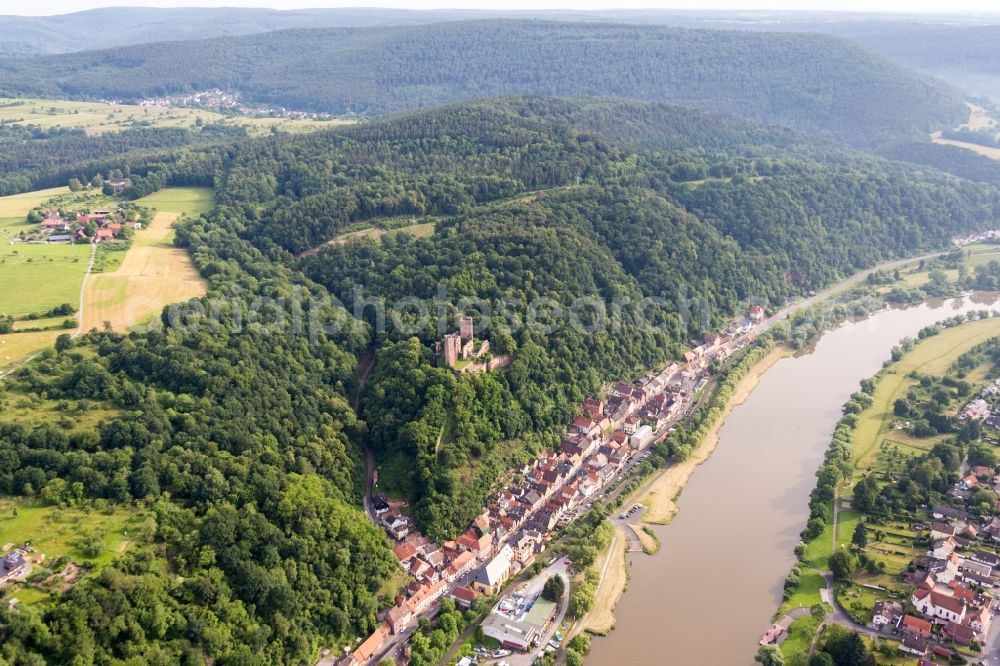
(38, 277)
(188, 201)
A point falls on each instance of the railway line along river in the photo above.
(713, 588)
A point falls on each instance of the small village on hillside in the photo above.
(228, 101)
(952, 583)
(940, 602)
(610, 436)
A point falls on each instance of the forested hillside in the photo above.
(810, 82)
(33, 158)
(242, 443)
(238, 431)
(754, 217)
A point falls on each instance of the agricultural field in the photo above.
(101, 117)
(931, 356)
(38, 277)
(153, 273)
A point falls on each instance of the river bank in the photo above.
(614, 580)
(660, 493)
(727, 552)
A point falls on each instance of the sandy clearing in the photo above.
(342, 239)
(979, 118)
(152, 275)
(659, 493)
(986, 151)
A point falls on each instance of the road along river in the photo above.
(712, 589)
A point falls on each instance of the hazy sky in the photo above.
(38, 7)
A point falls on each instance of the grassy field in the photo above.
(420, 230)
(800, 636)
(102, 117)
(55, 531)
(423, 230)
(38, 277)
(17, 346)
(31, 410)
(18, 205)
(931, 356)
(185, 201)
(978, 254)
(806, 595)
(979, 118)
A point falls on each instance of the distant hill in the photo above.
(810, 82)
(124, 26)
(959, 48)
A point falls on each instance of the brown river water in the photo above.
(712, 589)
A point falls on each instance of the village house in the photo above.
(982, 472)
(404, 552)
(914, 645)
(984, 558)
(968, 482)
(423, 572)
(914, 626)
(942, 548)
(363, 653)
(976, 410)
(460, 566)
(940, 511)
(399, 616)
(887, 614)
(641, 437)
(525, 545)
(962, 634)
(968, 565)
(424, 596)
(464, 597)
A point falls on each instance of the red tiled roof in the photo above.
(948, 603)
(916, 623)
(370, 646)
(465, 594)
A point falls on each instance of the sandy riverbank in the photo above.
(614, 579)
(659, 493)
(646, 540)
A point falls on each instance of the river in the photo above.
(712, 589)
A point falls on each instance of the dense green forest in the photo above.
(811, 82)
(599, 219)
(32, 159)
(240, 433)
(241, 441)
